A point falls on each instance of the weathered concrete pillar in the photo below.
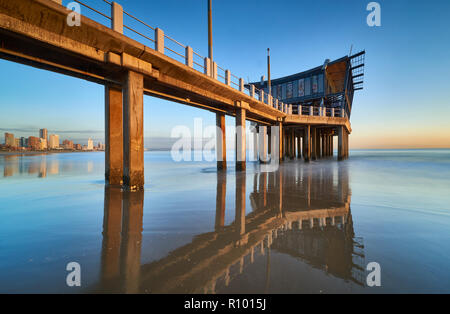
(133, 130)
(299, 146)
(113, 136)
(112, 226)
(331, 145)
(130, 251)
(340, 143)
(221, 146)
(220, 199)
(307, 144)
(240, 139)
(207, 66)
(255, 143)
(313, 143)
(293, 144)
(322, 138)
(263, 144)
(280, 141)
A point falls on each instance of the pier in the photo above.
(308, 116)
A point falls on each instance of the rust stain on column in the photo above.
(113, 136)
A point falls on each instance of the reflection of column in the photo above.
(220, 199)
(133, 203)
(263, 186)
(280, 191)
(240, 203)
(112, 225)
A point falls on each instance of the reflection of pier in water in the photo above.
(294, 212)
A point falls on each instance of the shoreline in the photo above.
(32, 153)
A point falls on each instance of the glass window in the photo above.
(301, 88)
(320, 83)
(307, 86)
(289, 90)
(314, 84)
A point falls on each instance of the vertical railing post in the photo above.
(189, 55)
(299, 110)
(332, 112)
(261, 95)
(311, 110)
(159, 40)
(228, 77)
(276, 103)
(241, 84)
(214, 70)
(207, 66)
(116, 17)
(252, 91)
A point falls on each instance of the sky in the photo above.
(405, 102)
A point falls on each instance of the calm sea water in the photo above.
(306, 228)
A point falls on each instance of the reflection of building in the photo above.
(304, 215)
(54, 141)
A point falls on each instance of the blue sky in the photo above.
(405, 101)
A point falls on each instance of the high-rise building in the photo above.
(43, 133)
(34, 142)
(90, 145)
(68, 144)
(10, 140)
(23, 142)
(53, 141)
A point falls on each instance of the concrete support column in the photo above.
(133, 130)
(255, 143)
(280, 142)
(340, 143)
(240, 139)
(113, 136)
(293, 144)
(221, 147)
(331, 145)
(307, 144)
(313, 144)
(299, 146)
(263, 144)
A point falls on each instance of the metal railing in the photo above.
(188, 56)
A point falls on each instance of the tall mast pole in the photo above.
(210, 42)
(269, 86)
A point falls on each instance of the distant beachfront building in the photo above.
(90, 145)
(68, 144)
(78, 146)
(23, 142)
(54, 141)
(10, 140)
(34, 142)
(43, 133)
